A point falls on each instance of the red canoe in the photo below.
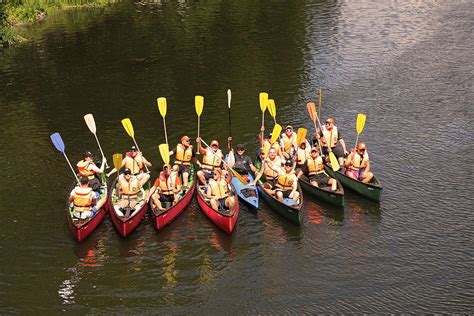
(127, 224)
(80, 229)
(225, 220)
(161, 219)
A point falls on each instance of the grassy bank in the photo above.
(20, 12)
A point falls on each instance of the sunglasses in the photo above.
(240, 149)
(314, 151)
(213, 145)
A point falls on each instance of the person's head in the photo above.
(314, 151)
(303, 145)
(330, 123)
(240, 149)
(127, 173)
(88, 156)
(269, 138)
(214, 145)
(361, 148)
(272, 153)
(166, 168)
(218, 173)
(288, 165)
(133, 150)
(185, 141)
(84, 180)
(175, 168)
(289, 130)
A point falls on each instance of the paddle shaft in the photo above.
(164, 126)
(135, 142)
(357, 139)
(199, 123)
(230, 125)
(263, 122)
(100, 148)
(72, 169)
(319, 142)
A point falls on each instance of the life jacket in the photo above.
(239, 164)
(285, 180)
(219, 189)
(167, 184)
(82, 199)
(183, 155)
(302, 155)
(210, 161)
(272, 168)
(82, 167)
(358, 162)
(130, 188)
(288, 142)
(134, 164)
(266, 148)
(330, 136)
(315, 166)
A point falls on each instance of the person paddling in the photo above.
(302, 153)
(88, 168)
(211, 161)
(166, 190)
(86, 201)
(314, 170)
(271, 168)
(218, 191)
(243, 163)
(336, 142)
(288, 141)
(184, 154)
(128, 187)
(135, 161)
(357, 164)
(287, 183)
(265, 144)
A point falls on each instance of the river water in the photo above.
(408, 65)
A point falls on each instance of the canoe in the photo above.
(247, 193)
(288, 208)
(163, 218)
(226, 219)
(324, 194)
(127, 224)
(81, 228)
(372, 190)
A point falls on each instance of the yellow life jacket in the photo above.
(219, 190)
(272, 168)
(82, 199)
(302, 155)
(183, 155)
(315, 166)
(288, 142)
(82, 167)
(330, 136)
(134, 164)
(266, 148)
(167, 184)
(286, 180)
(210, 161)
(131, 187)
(358, 162)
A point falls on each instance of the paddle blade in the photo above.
(89, 118)
(127, 124)
(263, 101)
(117, 158)
(360, 123)
(165, 153)
(271, 107)
(229, 97)
(301, 135)
(276, 132)
(57, 142)
(239, 177)
(199, 104)
(312, 111)
(162, 106)
(334, 163)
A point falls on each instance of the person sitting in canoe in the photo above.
(86, 201)
(166, 190)
(128, 186)
(88, 168)
(332, 136)
(184, 154)
(314, 170)
(218, 191)
(287, 183)
(357, 164)
(240, 162)
(302, 154)
(271, 168)
(212, 158)
(265, 144)
(135, 161)
(288, 141)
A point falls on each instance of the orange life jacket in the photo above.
(183, 155)
(82, 199)
(286, 180)
(358, 162)
(272, 168)
(288, 142)
(134, 164)
(130, 188)
(82, 167)
(302, 155)
(315, 166)
(168, 184)
(219, 189)
(210, 161)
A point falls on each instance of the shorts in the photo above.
(321, 178)
(94, 184)
(166, 198)
(208, 174)
(286, 193)
(358, 174)
(184, 168)
(270, 183)
(85, 214)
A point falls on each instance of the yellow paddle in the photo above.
(199, 105)
(275, 133)
(162, 108)
(127, 124)
(301, 136)
(359, 126)
(312, 114)
(165, 153)
(235, 173)
(263, 97)
(272, 109)
(117, 159)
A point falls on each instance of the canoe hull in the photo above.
(244, 192)
(371, 191)
(82, 230)
(293, 214)
(224, 222)
(335, 198)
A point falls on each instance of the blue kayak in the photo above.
(247, 193)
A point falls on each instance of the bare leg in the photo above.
(156, 201)
(144, 177)
(314, 183)
(367, 177)
(201, 176)
(185, 178)
(215, 204)
(333, 183)
(230, 203)
(279, 196)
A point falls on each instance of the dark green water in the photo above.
(407, 65)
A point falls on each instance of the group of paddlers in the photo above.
(282, 163)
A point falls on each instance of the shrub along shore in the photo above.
(21, 12)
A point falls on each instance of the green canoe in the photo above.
(324, 194)
(372, 190)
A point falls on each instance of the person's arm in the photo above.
(173, 151)
(229, 143)
(71, 196)
(152, 190)
(347, 161)
(252, 167)
(259, 174)
(94, 168)
(343, 143)
(295, 186)
(178, 185)
(146, 162)
(202, 151)
(260, 135)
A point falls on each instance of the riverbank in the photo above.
(23, 12)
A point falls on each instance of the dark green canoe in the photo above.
(372, 190)
(324, 194)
